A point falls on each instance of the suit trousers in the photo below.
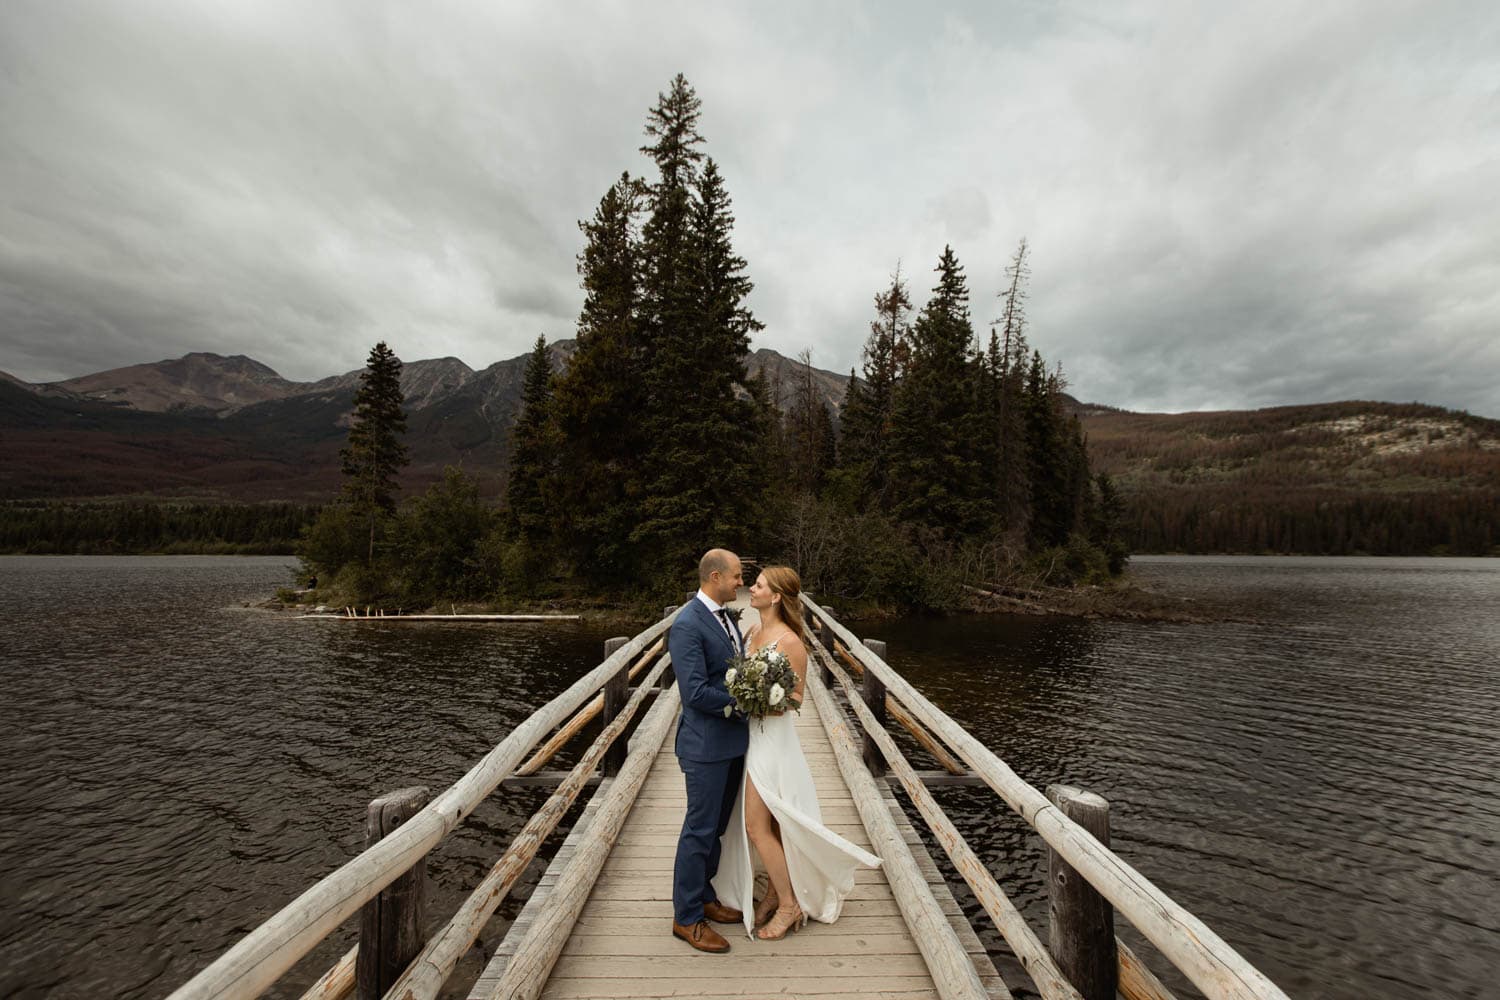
(711, 790)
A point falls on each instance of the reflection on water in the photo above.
(1320, 786)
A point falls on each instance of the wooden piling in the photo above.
(392, 926)
(873, 693)
(826, 637)
(616, 693)
(668, 676)
(1082, 923)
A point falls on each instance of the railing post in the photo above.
(668, 676)
(827, 638)
(873, 693)
(392, 926)
(1082, 923)
(616, 694)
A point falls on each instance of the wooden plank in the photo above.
(537, 952)
(490, 977)
(709, 985)
(619, 945)
(426, 977)
(953, 973)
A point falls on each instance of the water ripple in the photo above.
(1321, 786)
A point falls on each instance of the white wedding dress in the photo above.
(821, 864)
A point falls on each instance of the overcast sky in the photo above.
(1229, 205)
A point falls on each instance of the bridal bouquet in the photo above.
(761, 683)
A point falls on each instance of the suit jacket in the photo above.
(701, 652)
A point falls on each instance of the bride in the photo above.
(811, 868)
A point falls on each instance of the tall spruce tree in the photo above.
(599, 399)
(1107, 528)
(865, 422)
(935, 479)
(375, 453)
(532, 452)
(696, 330)
(1049, 464)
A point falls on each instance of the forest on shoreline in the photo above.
(152, 527)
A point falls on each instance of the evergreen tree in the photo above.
(696, 330)
(533, 451)
(375, 452)
(809, 432)
(667, 299)
(1047, 465)
(440, 551)
(599, 400)
(865, 422)
(1107, 529)
(935, 479)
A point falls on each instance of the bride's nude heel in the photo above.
(783, 923)
(766, 909)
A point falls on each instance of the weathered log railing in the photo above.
(262, 956)
(1207, 961)
(1088, 883)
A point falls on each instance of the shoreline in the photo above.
(1124, 600)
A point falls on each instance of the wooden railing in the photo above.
(1088, 883)
(267, 952)
(1207, 961)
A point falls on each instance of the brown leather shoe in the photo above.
(721, 914)
(702, 937)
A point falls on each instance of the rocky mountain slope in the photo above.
(210, 426)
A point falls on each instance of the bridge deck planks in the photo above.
(621, 946)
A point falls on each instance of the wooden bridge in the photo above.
(597, 923)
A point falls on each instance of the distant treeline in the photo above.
(1314, 522)
(152, 527)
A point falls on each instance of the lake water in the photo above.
(1319, 784)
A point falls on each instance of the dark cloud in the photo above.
(1227, 206)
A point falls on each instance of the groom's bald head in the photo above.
(716, 561)
(719, 574)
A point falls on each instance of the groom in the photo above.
(711, 741)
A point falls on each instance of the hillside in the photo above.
(1336, 478)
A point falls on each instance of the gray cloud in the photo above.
(1227, 206)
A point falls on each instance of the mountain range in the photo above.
(208, 426)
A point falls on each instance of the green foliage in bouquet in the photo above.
(762, 683)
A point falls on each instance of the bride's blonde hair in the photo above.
(784, 580)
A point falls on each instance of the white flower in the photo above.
(730, 675)
(728, 711)
(777, 694)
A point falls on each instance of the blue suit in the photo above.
(710, 751)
